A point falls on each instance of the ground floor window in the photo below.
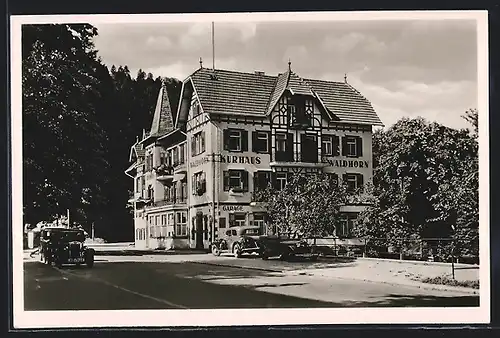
(237, 219)
(181, 223)
(259, 220)
(140, 234)
(347, 222)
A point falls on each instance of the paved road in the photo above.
(167, 285)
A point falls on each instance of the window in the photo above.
(235, 140)
(198, 143)
(183, 191)
(261, 141)
(182, 153)
(181, 224)
(352, 146)
(199, 186)
(170, 219)
(281, 179)
(164, 219)
(175, 156)
(166, 193)
(302, 111)
(137, 184)
(284, 147)
(261, 180)
(280, 142)
(222, 223)
(233, 232)
(259, 220)
(284, 109)
(239, 220)
(236, 180)
(353, 181)
(347, 222)
(163, 158)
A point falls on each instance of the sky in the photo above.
(405, 68)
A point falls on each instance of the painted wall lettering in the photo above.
(345, 163)
(232, 208)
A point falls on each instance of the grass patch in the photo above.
(444, 280)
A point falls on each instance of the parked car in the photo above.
(238, 240)
(65, 246)
(286, 248)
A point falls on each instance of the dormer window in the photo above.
(302, 112)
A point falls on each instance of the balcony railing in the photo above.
(164, 172)
(170, 201)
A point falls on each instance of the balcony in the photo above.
(164, 173)
(289, 159)
(171, 201)
(180, 167)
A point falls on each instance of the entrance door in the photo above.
(199, 230)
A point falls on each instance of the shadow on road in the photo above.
(394, 300)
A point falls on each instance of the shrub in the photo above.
(444, 280)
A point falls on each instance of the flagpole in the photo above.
(213, 46)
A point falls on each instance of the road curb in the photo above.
(423, 286)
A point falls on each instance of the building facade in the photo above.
(234, 133)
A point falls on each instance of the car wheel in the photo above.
(237, 251)
(215, 250)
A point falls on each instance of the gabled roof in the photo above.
(163, 120)
(345, 102)
(137, 150)
(231, 92)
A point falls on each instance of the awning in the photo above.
(179, 177)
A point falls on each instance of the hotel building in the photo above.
(196, 170)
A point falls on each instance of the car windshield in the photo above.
(70, 236)
(251, 232)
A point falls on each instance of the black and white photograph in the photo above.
(250, 169)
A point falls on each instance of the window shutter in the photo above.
(193, 147)
(269, 143)
(226, 139)
(344, 146)
(231, 220)
(193, 184)
(226, 180)
(256, 181)
(244, 175)
(360, 181)
(359, 146)
(335, 145)
(289, 144)
(254, 141)
(202, 141)
(244, 140)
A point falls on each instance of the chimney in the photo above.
(258, 72)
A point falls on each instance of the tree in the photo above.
(309, 205)
(62, 142)
(424, 183)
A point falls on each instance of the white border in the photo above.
(212, 317)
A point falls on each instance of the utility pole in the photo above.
(92, 230)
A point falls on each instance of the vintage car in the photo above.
(238, 240)
(65, 246)
(286, 248)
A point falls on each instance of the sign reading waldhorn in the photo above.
(345, 163)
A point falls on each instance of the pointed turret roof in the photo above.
(163, 120)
